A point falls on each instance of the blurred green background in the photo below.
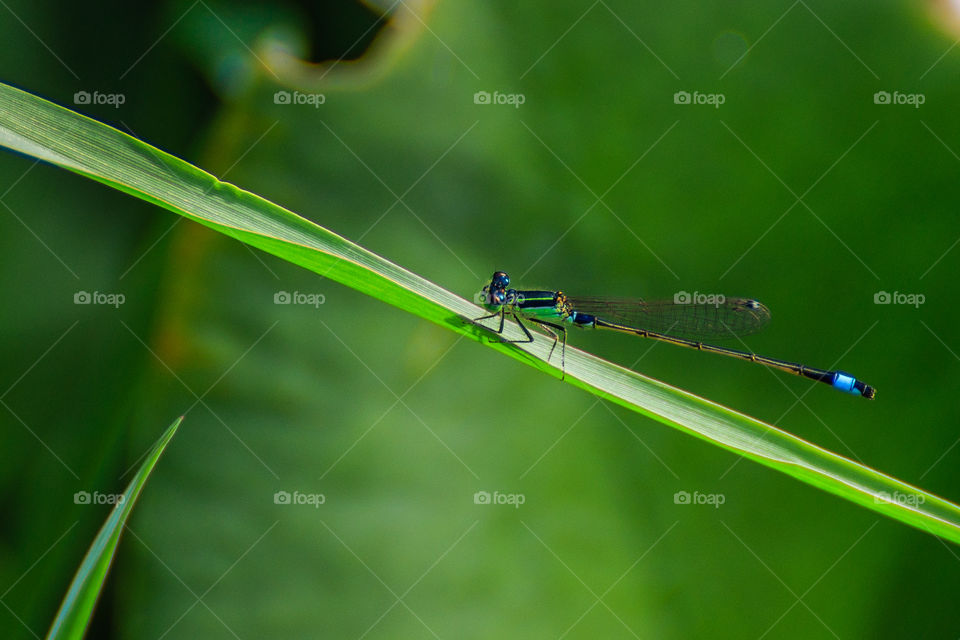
(799, 190)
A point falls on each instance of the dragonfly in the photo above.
(681, 322)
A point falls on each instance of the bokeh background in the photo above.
(804, 189)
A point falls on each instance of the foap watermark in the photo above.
(298, 98)
(112, 99)
(712, 499)
(902, 499)
(309, 299)
(98, 297)
(912, 299)
(911, 99)
(299, 498)
(483, 297)
(712, 99)
(85, 497)
(685, 297)
(485, 97)
(485, 497)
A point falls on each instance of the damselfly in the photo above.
(682, 322)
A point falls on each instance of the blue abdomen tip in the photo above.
(845, 382)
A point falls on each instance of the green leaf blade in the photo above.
(38, 128)
(78, 604)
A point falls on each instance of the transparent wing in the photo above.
(725, 318)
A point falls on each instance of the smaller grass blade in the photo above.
(76, 610)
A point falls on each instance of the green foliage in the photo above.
(75, 612)
(599, 183)
(57, 135)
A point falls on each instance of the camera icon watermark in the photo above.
(712, 299)
(112, 99)
(911, 99)
(910, 299)
(86, 497)
(900, 498)
(513, 99)
(712, 499)
(308, 299)
(712, 99)
(298, 98)
(496, 497)
(299, 498)
(484, 298)
(110, 299)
